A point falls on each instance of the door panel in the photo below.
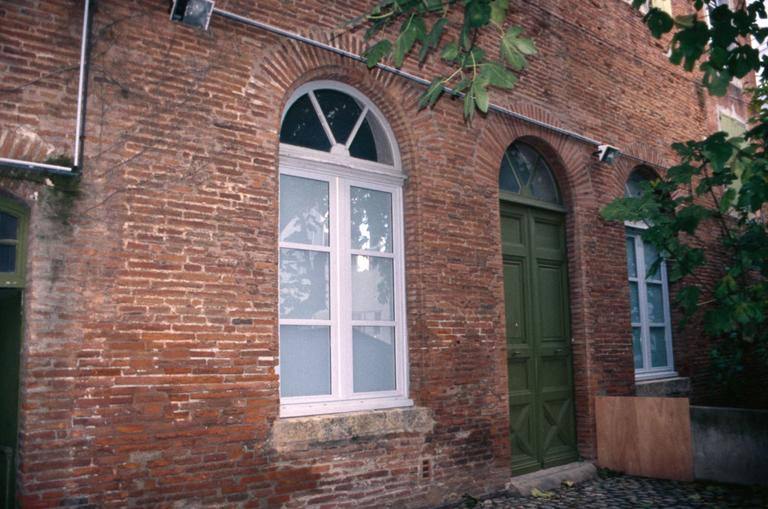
(542, 424)
(10, 343)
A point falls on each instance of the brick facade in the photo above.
(148, 365)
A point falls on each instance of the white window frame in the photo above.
(342, 172)
(634, 231)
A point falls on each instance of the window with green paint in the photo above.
(13, 222)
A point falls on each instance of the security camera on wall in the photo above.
(606, 153)
(195, 13)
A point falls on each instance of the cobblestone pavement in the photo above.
(633, 492)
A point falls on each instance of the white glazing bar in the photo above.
(305, 247)
(323, 120)
(357, 127)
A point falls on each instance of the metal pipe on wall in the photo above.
(15, 164)
(354, 56)
(82, 86)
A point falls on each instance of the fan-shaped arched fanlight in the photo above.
(525, 172)
(331, 120)
(633, 187)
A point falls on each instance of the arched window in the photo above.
(13, 228)
(342, 299)
(524, 172)
(649, 296)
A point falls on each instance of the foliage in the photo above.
(454, 28)
(720, 182)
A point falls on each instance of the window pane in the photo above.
(523, 160)
(302, 127)
(305, 360)
(341, 111)
(507, 178)
(637, 348)
(543, 184)
(374, 358)
(7, 258)
(364, 144)
(371, 214)
(634, 302)
(631, 257)
(651, 255)
(655, 303)
(658, 347)
(372, 288)
(634, 186)
(304, 284)
(303, 210)
(8, 226)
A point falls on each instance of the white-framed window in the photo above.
(649, 299)
(342, 283)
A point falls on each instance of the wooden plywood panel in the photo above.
(645, 436)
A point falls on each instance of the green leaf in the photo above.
(689, 44)
(742, 60)
(377, 53)
(525, 46)
(685, 21)
(510, 52)
(450, 51)
(726, 200)
(499, 11)
(714, 80)
(477, 13)
(469, 105)
(659, 22)
(498, 75)
(432, 94)
(413, 29)
(433, 39)
(480, 90)
(688, 299)
(718, 56)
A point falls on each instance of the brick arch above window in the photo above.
(292, 65)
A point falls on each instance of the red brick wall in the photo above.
(150, 336)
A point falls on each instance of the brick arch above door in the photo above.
(569, 159)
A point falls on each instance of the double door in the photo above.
(539, 362)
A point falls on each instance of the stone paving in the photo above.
(625, 491)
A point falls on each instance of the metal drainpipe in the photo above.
(82, 87)
(354, 56)
(56, 169)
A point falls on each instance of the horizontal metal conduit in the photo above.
(416, 79)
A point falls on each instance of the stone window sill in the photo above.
(672, 387)
(302, 432)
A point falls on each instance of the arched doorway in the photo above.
(539, 360)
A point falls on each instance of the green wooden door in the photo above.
(541, 407)
(10, 343)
